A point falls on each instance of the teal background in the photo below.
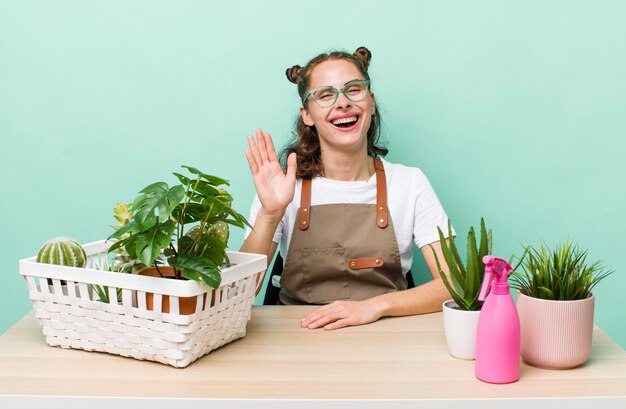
(515, 111)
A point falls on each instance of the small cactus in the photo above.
(62, 251)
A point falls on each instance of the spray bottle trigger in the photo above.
(484, 290)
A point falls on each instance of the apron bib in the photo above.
(342, 251)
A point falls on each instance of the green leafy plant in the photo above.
(466, 279)
(181, 222)
(561, 274)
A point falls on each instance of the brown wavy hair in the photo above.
(306, 143)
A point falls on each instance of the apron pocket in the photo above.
(323, 277)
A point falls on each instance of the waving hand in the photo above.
(274, 188)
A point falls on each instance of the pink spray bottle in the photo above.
(498, 336)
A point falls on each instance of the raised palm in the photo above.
(274, 188)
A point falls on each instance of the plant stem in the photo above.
(157, 269)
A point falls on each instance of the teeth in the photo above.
(344, 120)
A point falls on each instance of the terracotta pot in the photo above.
(555, 334)
(460, 328)
(186, 305)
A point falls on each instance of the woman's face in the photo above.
(343, 125)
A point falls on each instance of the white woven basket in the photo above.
(72, 316)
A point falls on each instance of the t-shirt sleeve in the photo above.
(254, 210)
(429, 214)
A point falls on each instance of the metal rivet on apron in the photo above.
(382, 220)
(353, 264)
(305, 210)
(377, 261)
(303, 221)
(381, 208)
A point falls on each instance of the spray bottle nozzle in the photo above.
(494, 265)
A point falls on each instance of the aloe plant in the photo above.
(561, 274)
(466, 279)
(160, 216)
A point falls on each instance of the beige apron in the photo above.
(342, 251)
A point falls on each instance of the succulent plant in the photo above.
(102, 290)
(466, 279)
(561, 274)
(123, 262)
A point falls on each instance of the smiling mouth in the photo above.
(345, 122)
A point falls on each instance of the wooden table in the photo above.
(395, 359)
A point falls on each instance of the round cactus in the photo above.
(62, 251)
(219, 230)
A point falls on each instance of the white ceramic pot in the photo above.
(460, 329)
(555, 334)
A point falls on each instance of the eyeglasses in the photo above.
(355, 91)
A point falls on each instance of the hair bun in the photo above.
(294, 74)
(364, 55)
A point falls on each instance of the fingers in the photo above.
(254, 168)
(260, 141)
(262, 150)
(271, 151)
(291, 165)
(319, 322)
(254, 150)
(342, 323)
(323, 316)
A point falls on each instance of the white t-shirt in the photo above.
(414, 207)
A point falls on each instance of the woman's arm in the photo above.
(260, 238)
(423, 299)
(275, 190)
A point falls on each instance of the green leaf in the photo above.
(155, 204)
(122, 244)
(204, 189)
(127, 228)
(197, 268)
(183, 179)
(453, 293)
(214, 180)
(131, 248)
(151, 243)
(483, 248)
(455, 253)
(205, 245)
(211, 247)
(103, 293)
(188, 216)
(472, 279)
(229, 221)
(448, 255)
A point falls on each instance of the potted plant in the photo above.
(186, 223)
(460, 314)
(180, 232)
(556, 305)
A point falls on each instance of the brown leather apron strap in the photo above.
(305, 205)
(382, 214)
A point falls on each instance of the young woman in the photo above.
(346, 220)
